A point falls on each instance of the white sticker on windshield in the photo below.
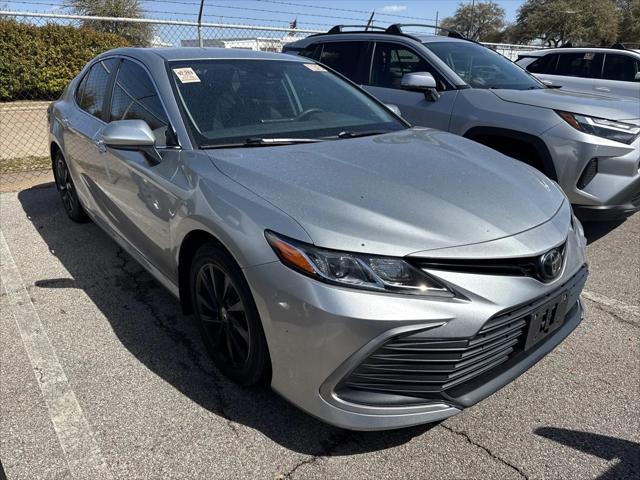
(186, 75)
(589, 56)
(315, 67)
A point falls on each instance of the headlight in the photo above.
(369, 272)
(600, 127)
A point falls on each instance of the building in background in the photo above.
(262, 44)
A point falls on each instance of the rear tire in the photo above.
(227, 317)
(67, 190)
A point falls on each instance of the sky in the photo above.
(310, 14)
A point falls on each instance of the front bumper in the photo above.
(318, 333)
(614, 192)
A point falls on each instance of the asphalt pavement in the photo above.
(101, 376)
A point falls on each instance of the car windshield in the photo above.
(273, 102)
(481, 67)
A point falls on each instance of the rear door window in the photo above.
(312, 51)
(348, 58)
(92, 91)
(580, 64)
(620, 67)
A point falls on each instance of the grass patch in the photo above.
(24, 164)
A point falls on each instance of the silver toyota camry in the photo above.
(375, 275)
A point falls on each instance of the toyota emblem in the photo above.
(550, 264)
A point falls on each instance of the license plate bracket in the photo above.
(546, 319)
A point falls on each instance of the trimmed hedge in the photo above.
(36, 63)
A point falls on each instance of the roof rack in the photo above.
(396, 29)
(338, 28)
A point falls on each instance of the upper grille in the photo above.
(517, 267)
(414, 366)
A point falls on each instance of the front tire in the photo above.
(67, 190)
(227, 317)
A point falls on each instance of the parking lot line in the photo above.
(611, 303)
(82, 453)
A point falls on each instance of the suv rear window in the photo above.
(346, 58)
(620, 67)
(580, 64)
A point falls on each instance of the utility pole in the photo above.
(435, 30)
(200, 43)
(473, 17)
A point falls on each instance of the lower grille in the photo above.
(588, 174)
(416, 367)
(635, 200)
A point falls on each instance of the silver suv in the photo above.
(589, 144)
(611, 71)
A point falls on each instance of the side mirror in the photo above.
(131, 135)
(128, 134)
(393, 108)
(420, 82)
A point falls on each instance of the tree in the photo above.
(557, 22)
(476, 21)
(139, 34)
(629, 28)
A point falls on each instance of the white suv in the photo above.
(589, 144)
(611, 71)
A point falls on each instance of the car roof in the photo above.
(197, 53)
(359, 35)
(538, 53)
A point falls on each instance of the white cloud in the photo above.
(394, 8)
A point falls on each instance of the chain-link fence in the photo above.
(40, 53)
(25, 95)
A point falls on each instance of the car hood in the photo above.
(397, 193)
(600, 106)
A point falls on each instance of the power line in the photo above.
(299, 14)
(166, 12)
(380, 14)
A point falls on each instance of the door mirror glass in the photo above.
(128, 134)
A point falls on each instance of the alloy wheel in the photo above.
(65, 186)
(223, 315)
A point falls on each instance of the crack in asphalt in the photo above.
(328, 446)
(489, 452)
(609, 311)
(166, 323)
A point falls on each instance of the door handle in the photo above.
(603, 89)
(102, 148)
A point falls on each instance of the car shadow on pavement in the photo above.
(596, 230)
(607, 448)
(148, 322)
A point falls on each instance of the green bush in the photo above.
(36, 63)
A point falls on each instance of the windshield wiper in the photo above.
(261, 142)
(368, 133)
